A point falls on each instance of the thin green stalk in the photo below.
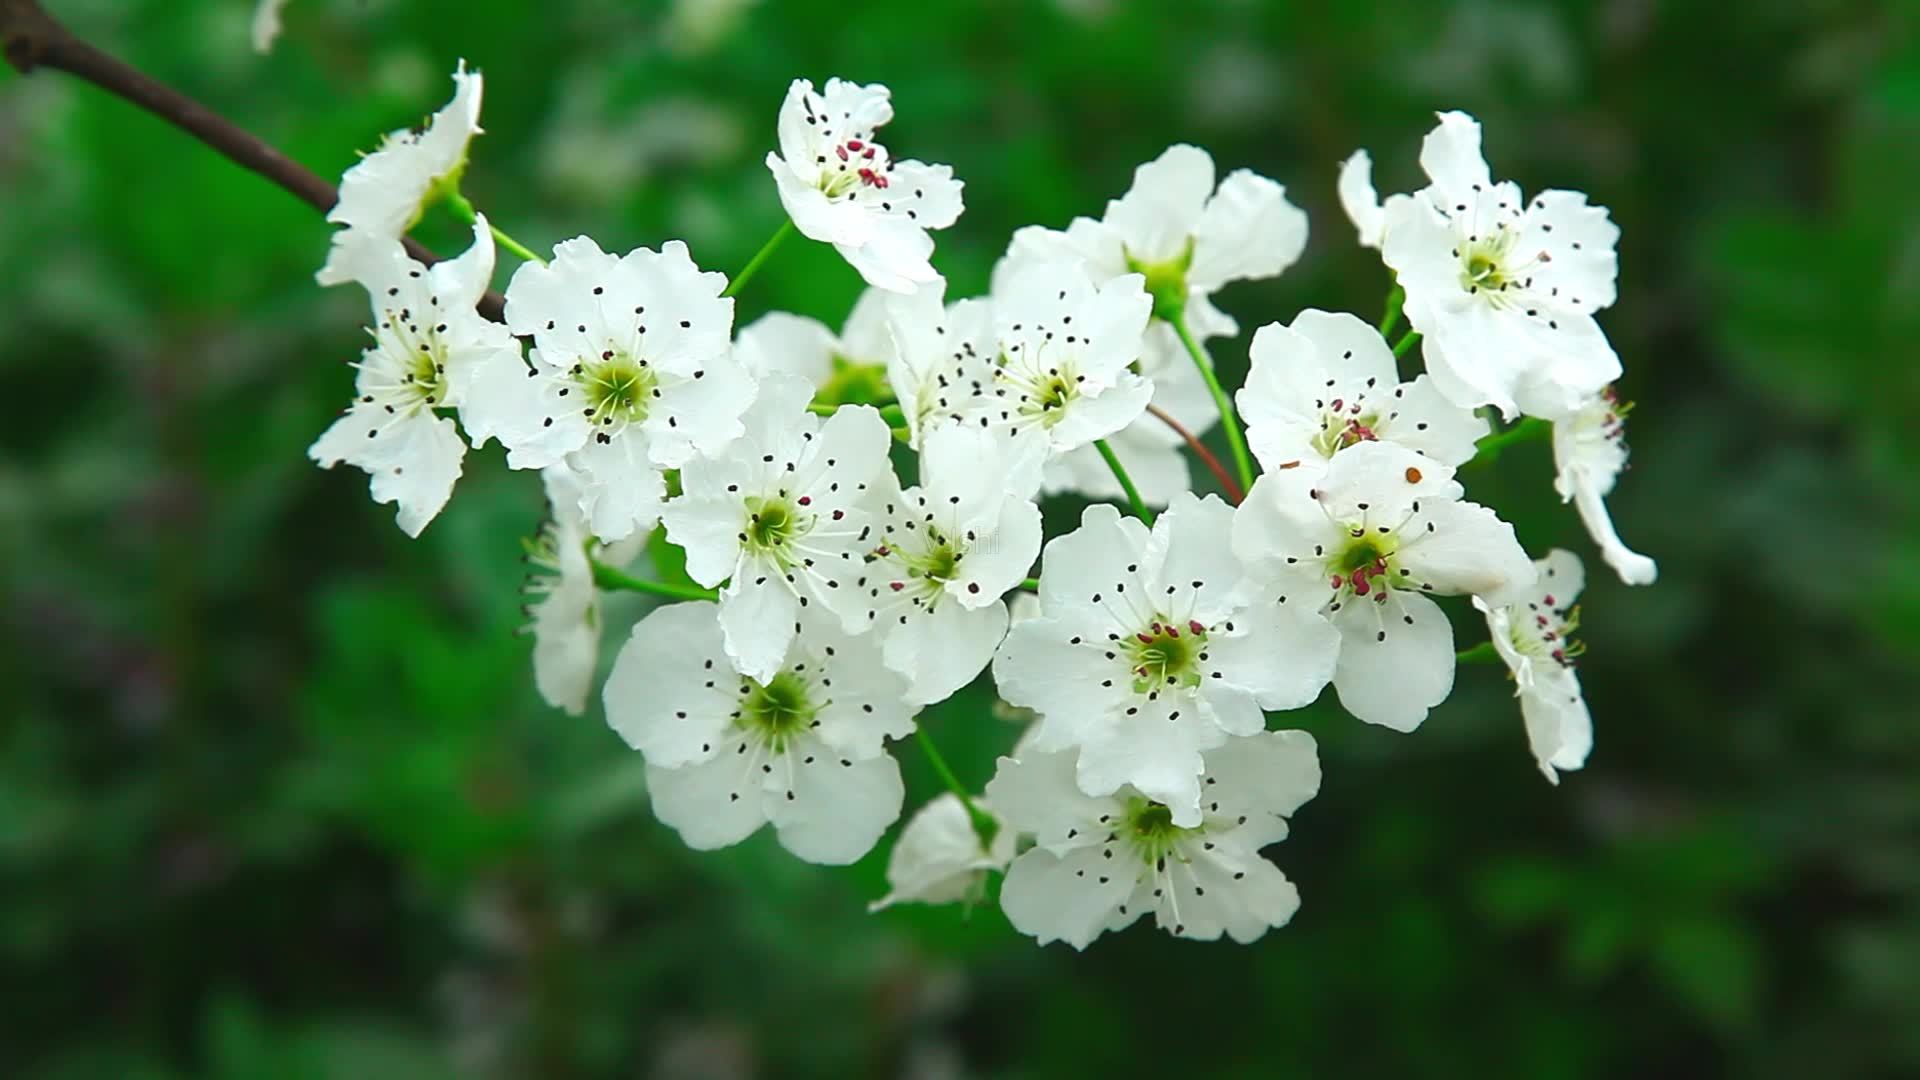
(1483, 653)
(1395, 301)
(1527, 430)
(890, 413)
(607, 577)
(1031, 584)
(1237, 443)
(983, 824)
(1400, 348)
(1126, 482)
(759, 257)
(465, 211)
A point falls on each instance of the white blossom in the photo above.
(1327, 383)
(851, 366)
(842, 188)
(631, 374)
(1534, 636)
(428, 346)
(1185, 235)
(949, 549)
(1101, 862)
(802, 748)
(1502, 290)
(943, 356)
(384, 195)
(1063, 350)
(1147, 651)
(939, 858)
(1589, 453)
(785, 518)
(566, 605)
(1187, 238)
(1366, 543)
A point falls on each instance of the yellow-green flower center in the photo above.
(777, 709)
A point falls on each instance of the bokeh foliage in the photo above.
(277, 798)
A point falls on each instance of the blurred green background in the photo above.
(277, 797)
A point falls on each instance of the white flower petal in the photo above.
(412, 460)
(1161, 211)
(840, 806)
(671, 694)
(758, 615)
(1248, 231)
(1360, 201)
(1072, 898)
(1396, 659)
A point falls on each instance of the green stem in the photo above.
(1395, 301)
(1483, 653)
(1126, 482)
(759, 257)
(608, 577)
(983, 824)
(465, 211)
(1235, 441)
(1528, 429)
(892, 414)
(1031, 584)
(1400, 348)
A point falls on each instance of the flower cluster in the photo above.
(828, 598)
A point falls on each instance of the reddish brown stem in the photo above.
(33, 39)
(1219, 471)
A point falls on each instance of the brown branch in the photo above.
(1212, 463)
(33, 39)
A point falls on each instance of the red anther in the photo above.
(1541, 619)
(1549, 599)
(882, 551)
(1145, 639)
(1338, 581)
(896, 586)
(838, 514)
(842, 151)
(869, 154)
(1560, 655)
(1171, 632)
(1360, 586)
(805, 500)
(854, 144)
(1194, 625)
(1338, 404)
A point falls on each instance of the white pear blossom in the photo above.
(851, 366)
(1361, 202)
(566, 605)
(842, 188)
(949, 549)
(631, 374)
(1147, 653)
(939, 858)
(1366, 543)
(943, 356)
(1534, 635)
(1101, 862)
(1503, 290)
(802, 748)
(384, 195)
(1589, 453)
(1062, 354)
(785, 518)
(1187, 238)
(1327, 383)
(428, 346)
(1185, 235)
